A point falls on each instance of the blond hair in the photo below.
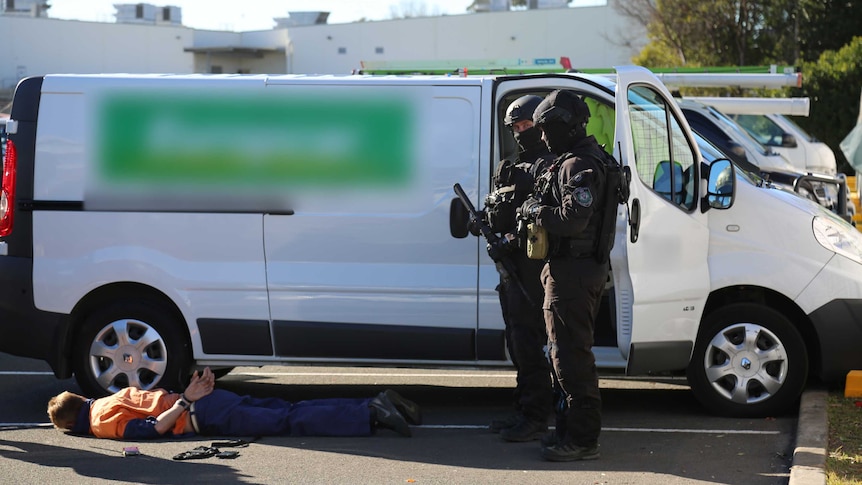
(63, 409)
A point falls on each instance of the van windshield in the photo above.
(742, 136)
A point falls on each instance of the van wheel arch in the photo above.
(160, 351)
(750, 360)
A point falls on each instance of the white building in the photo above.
(155, 41)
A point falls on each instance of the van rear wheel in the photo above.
(749, 361)
(131, 344)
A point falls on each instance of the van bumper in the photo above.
(26, 331)
(839, 329)
(833, 302)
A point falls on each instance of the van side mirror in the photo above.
(788, 141)
(720, 187)
(459, 219)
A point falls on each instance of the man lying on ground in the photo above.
(135, 414)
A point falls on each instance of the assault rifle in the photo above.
(498, 247)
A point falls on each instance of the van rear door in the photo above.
(659, 264)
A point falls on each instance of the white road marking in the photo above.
(29, 425)
(427, 426)
(378, 374)
(625, 430)
(24, 373)
(483, 426)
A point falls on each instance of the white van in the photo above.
(744, 149)
(227, 220)
(766, 120)
(786, 137)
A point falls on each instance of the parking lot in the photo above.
(654, 433)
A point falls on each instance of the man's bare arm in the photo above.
(200, 386)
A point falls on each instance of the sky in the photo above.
(244, 15)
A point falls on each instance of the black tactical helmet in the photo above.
(562, 106)
(521, 109)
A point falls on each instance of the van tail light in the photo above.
(7, 190)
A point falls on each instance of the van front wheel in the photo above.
(131, 344)
(749, 361)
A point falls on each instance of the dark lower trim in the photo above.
(235, 337)
(491, 345)
(839, 328)
(364, 341)
(649, 357)
(50, 205)
(26, 331)
(78, 206)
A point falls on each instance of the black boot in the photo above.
(409, 409)
(498, 425)
(384, 414)
(527, 429)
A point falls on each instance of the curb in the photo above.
(809, 456)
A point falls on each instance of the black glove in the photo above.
(474, 225)
(529, 209)
(501, 247)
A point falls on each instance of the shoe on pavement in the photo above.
(498, 425)
(384, 414)
(526, 430)
(550, 438)
(570, 452)
(409, 409)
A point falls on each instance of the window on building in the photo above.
(378, 50)
(139, 11)
(166, 14)
(342, 50)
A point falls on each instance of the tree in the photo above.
(409, 9)
(742, 32)
(833, 83)
(721, 32)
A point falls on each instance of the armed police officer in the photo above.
(521, 304)
(570, 204)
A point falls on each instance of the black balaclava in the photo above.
(563, 116)
(530, 142)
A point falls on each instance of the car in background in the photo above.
(750, 155)
(783, 135)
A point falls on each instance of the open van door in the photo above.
(659, 260)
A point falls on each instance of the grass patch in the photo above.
(844, 452)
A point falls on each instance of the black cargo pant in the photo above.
(526, 339)
(573, 292)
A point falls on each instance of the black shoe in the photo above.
(526, 430)
(570, 452)
(550, 438)
(409, 409)
(498, 425)
(384, 414)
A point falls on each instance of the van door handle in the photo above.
(635, 220)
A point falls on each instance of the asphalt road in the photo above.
(654, 432)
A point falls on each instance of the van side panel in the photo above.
(209, 263)
(359, 262)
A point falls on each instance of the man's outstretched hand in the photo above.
(200, 385)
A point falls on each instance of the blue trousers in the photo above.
(224, 413)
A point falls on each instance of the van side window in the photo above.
(663, 157)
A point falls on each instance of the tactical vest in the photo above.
(597, 238)
(511, 185)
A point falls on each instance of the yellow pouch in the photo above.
(537, 241)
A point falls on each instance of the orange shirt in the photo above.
(110, 415)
